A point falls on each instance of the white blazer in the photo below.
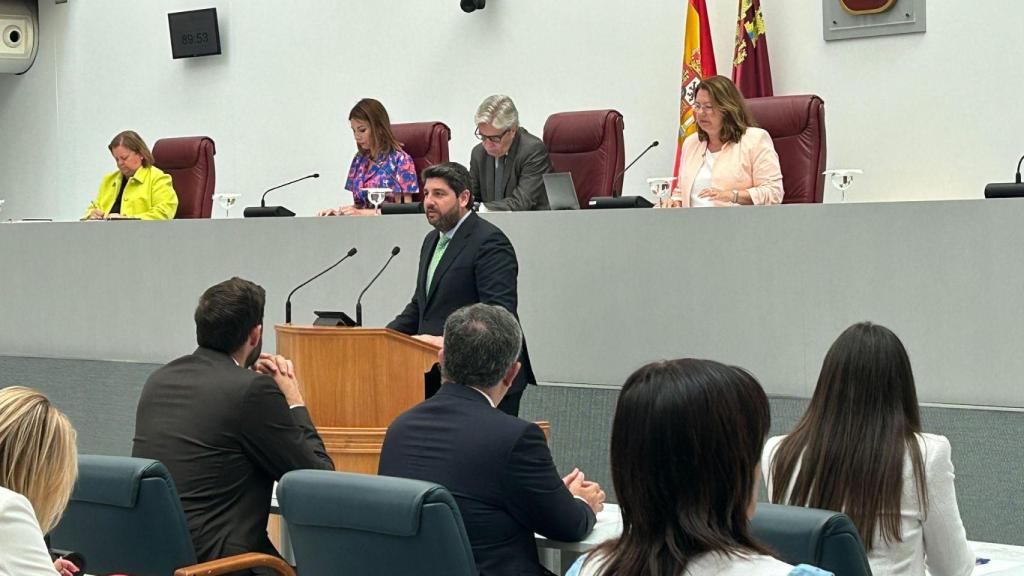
(936, 539)
(22, 550)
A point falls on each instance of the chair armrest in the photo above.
(235, 563)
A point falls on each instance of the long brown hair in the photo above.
(132, 141)
(736, 117)
(373, 113)
(38, 457)
(851, 444)
(686, 441)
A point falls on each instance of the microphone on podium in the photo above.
(359, 301)
(1006, 190)
(264, 211)
(288, 301)
(639, 156)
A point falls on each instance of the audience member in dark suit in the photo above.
(227, 422)
(464, 260)
(507, 167)
(497, 467)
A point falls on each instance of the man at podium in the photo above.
(464, 260)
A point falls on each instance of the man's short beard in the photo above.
(448, 220)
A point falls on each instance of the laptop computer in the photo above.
(561, 191)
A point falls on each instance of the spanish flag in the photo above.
(698, 63)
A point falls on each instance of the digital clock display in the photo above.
(194, 33)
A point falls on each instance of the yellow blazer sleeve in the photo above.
(104, 196)
(164, 204)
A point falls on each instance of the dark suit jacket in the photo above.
(226, 434)
(499, 470)
(525, 165)
(479, 265)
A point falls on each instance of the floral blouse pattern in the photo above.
(394, 170)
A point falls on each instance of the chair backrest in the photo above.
(426, 142)
(820, 538)
(189, 161)
(125, 518)
(797, 128)
(589, 145)
(341, 523)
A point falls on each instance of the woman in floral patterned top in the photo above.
(379, 162)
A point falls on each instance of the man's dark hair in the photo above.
(481, 342)
(455, 175)
(227, 312)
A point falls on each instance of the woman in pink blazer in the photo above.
(729, 161)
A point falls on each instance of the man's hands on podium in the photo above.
(282, 371)
(589, 492)
(432, 340)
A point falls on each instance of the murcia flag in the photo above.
(751, 72)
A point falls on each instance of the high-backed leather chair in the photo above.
(797, 128)
(588, 145)
(820, 538)
(125, 517)
(426, 142)
(189, 161)
(341, 523)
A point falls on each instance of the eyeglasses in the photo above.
(697, 107)
(491, 139)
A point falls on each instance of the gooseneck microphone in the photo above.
(1006, 190)
(641, 155)
(359, 301)
(263, 199)
(288, 301)
(269, 211)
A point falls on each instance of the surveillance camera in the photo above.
(471, 5)
(18, 42)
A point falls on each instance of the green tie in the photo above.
(442, 245)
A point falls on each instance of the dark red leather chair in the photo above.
(797, 127)
(426, 142)
(589, 145)
(189, 161)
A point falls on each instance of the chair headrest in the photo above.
(784, 115)
(377, 504)
(417, 137)
(575, 132)
(182, 152)
(114, 480)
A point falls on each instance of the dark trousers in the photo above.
(432, 383)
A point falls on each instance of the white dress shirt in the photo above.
(714, 564)
(936, 539)
(22, 550)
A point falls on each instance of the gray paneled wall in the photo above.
(988, 445)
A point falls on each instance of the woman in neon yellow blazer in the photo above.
(138, 189)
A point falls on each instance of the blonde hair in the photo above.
(132, 141)
(38, 456)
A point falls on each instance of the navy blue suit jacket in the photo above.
(479, 265)
(499, 470)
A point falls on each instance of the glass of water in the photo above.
(662, 188)
(226, 201)
(376, 197)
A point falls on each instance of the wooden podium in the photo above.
(355, 382)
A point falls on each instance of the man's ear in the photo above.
(255, 334)
(510, 374)
(466, 199)
(440, 357)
